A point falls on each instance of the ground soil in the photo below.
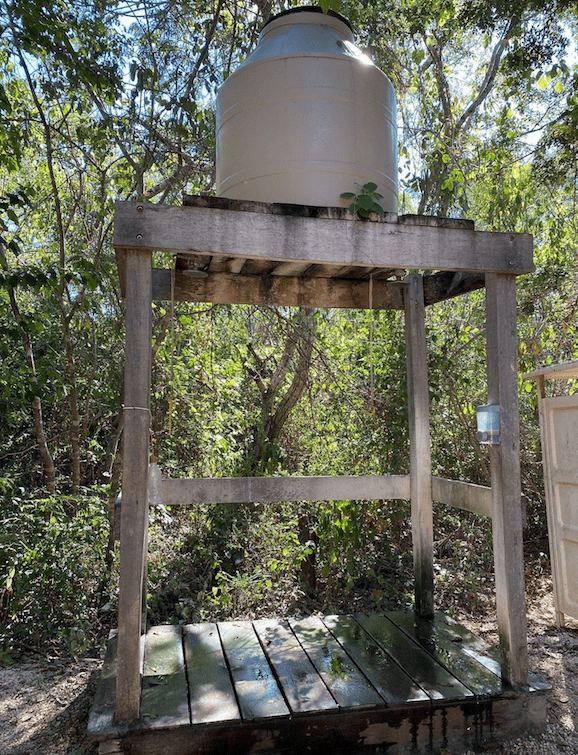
(45, 701)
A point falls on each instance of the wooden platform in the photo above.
(337, 684)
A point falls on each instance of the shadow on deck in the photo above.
(338, 684)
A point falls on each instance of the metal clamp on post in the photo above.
(488, 421)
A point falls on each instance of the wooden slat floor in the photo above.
(381, 683)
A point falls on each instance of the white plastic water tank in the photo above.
(306, 117)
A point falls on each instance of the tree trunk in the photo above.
(47, 460)
(275, 410)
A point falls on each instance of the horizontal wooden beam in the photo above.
(468, 497)
(281, 291)
(463, 495)
(563, 371)
(334, 241)
(447, 285)
(270, 489)
(460, 495)
(192, 491)
(291, 291)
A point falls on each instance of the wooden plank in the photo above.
(348, 287)
(460, 495)
(423, 669)
(463, 495)
(502, 355)
(113, 747)
(255, 686)
(348, 685)
(220, 264)
(446, 285)
(101, 722)
(270, 489)
(211, 693)
(164, 700)
(468, 497)
(319, 240)
(278, 290)
(473, 675)
(302, 686)
(562, 371)
(134, 510)
(476, 647)
(435, 222)
(420, 451)
(313, 211)
(453, 728)
(290, 268)
(388, 678)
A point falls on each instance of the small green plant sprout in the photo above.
(366, 200)
(327, 5)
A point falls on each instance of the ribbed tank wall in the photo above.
(306, 117)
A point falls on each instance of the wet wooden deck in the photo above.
(338, 684)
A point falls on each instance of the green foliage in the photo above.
(52, 569)
(225, 561)
(327, 5)
(100, 102)
(366, 200)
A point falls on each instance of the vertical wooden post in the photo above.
(420, 451)
(502, 367)
(134, 509)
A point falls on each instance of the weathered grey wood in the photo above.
(419, 664)
(221, 264)
(102, 712)
(164, 700)
(472, 674)
(114, 747)
(188, 491)
(302, 686)
(450, 717)
(463, 495)
(420, 451)
(270, 489)
(313, 211)
(468, 497)
(278, 290)
(505, 473)
(134, 510)
(348, 685)
(563, 371)
(476, 647)
(388, 678)
(399, 731)
(257, 691)
(318, 240)
(290, 268)
(211, 693)
(446, 285)
(101, 721)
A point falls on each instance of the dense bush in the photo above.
(52, 569)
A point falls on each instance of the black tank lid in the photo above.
(309, 9)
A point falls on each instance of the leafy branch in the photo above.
(366, 200)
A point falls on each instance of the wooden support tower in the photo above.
(316, 257)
